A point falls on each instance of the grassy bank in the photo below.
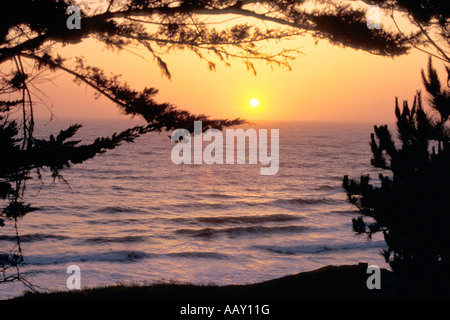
(346, 282)
(332, 282)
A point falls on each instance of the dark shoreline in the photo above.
(347, 282)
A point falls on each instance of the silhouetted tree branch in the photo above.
(429, 21)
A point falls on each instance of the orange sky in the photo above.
(327, 83)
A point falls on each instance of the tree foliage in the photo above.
(410, 206)
(428, 20)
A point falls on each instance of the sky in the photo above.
(327, 83)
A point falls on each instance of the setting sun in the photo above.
(254, 102)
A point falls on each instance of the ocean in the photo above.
(131, 215)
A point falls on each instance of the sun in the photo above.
(254, 103)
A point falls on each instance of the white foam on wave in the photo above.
(321, 248)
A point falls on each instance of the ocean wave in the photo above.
(325, 188)
(343, 212)
(239, 219)
(34, 237)
(219, 195)
(126, 176)
(249, 219)
(335, 177)
(297, 202)
(146, 152)
(116, 209)
(302, 202)
(284, 203)
(239, 231)
(98, 172)
(125, 239)
(201, 255)
(115, 257)
(201, 205)
(118, 188)
(118, 222)
(321, 248)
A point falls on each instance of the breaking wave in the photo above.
(240, 231)
(34, 237)
(241, 219)
(116, 257)
(321, 248)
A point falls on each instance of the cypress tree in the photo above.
(411, 203)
